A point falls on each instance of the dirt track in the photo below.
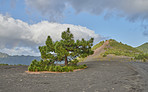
(106, 76)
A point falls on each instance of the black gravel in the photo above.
(142, 69)
(100, 76)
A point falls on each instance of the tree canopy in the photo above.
(66, 49)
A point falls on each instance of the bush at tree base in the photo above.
(40, 66)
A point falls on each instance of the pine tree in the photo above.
(46, 51)
(66, 49)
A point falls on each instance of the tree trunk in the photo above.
(66, 62)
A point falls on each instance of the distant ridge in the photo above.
(143, 47)
(3, 55)
(17, 59)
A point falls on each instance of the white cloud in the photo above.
(131, 9)
(20, 51)
(45, 28)
(26, 38)
(13, 32)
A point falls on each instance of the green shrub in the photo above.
(144, 60)
(132, 59)
(70, 68)
(81, 67)
(65, 69)
(45, 65)
(30, 68)
(104, 55)
(84, 65)
(34, 68)
(143, 57)
(57, 69)
(46, 68)
(74, 62)
(105, 48)
(38, 69)
(52, 68)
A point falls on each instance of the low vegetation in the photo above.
(143, 47)
(14, 64)
(67, 49)
(46, 66)
(81, 59)
(143, 57)
(98, 45)
(120, 49)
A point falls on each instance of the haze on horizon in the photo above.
(25, 24)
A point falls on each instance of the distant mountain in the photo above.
(3, 55)
(143, 47)
(14, 60)
(117, 48)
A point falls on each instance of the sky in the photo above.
(25, 24)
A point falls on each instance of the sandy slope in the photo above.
(98, 51)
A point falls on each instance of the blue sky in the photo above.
(121, 21)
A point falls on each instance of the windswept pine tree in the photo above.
(66, 49)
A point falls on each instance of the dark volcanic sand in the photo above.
(98, 77)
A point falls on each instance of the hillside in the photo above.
(143, 47)
(3, 55)
(98, 45)
(119, 49)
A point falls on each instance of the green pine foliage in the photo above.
(118, 49)
(66, 49)
(143, 47)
